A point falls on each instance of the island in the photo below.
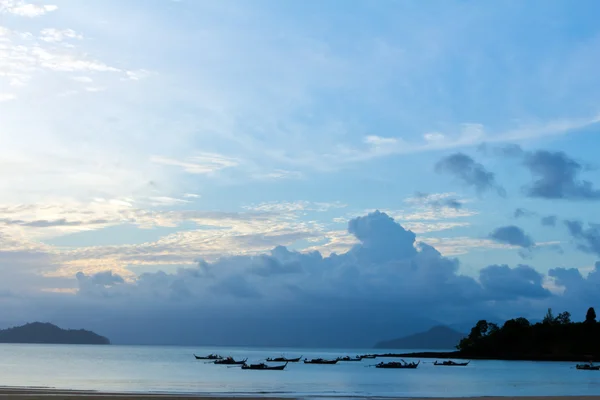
(438, 337)
(556, 338)
(46, 333)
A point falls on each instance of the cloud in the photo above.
(502, 150)
(437, 200)
(588, 239)
(579, 292)
(512, 235)
(549, 220)
(53, 35)
(471, 173)
(556, 176)
(202, 163)
(7, 97)
(24, 9)
(521, 212)
(503, 282)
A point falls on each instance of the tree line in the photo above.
(556, 337)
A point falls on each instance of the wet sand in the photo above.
(44, 394)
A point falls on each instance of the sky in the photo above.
(296, 173)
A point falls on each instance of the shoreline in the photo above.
(35, 393)
(458, 356)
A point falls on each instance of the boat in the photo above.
(369, 356)
(209, 357)
(398, 365)
(357, 358)
(283, 359)
(230, 361)
(451, 363)
(320, 361)
(589, 367)
(264, 367)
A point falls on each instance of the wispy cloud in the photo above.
(202, 163)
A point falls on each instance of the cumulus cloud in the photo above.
(386, 270)
(470, 172)
(503, 282)
(578, 291)
(512, 235)
(557, 176)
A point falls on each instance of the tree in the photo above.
(564, 318)
(548, 318)
(590, 317)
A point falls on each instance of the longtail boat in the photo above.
(398, 365)
(264, 367)
(230, 361)
(283, 359)
(368, 356)
(451, 363)
(357, 358)
(320, 361)
(209, 357)
(589, 367)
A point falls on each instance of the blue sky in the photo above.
(145, 136)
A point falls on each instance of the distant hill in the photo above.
(438, 337)
(38, 332)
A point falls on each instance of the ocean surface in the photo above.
(175, 370)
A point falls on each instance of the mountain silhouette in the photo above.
(39, 332)
(438, 337)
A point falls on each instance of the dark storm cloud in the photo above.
(512, 235)
(468, 171)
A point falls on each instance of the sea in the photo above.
(174, 370)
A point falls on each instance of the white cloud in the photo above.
(202, 163)
(295, 206)
(24, 9)
(7, 97)
(278, 174)
(138, 75)
(380, 141)
(83, 79)
(58, 35)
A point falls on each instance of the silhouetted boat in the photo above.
(209, 357)
(230, 361)
(320, 361)
(264, 367)
(589, 367)
(283, 359)
(398, 365)
(451, 363)
(369, 356)
(357, 358)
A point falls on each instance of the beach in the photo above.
(42, 393)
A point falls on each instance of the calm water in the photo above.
(174, 370)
